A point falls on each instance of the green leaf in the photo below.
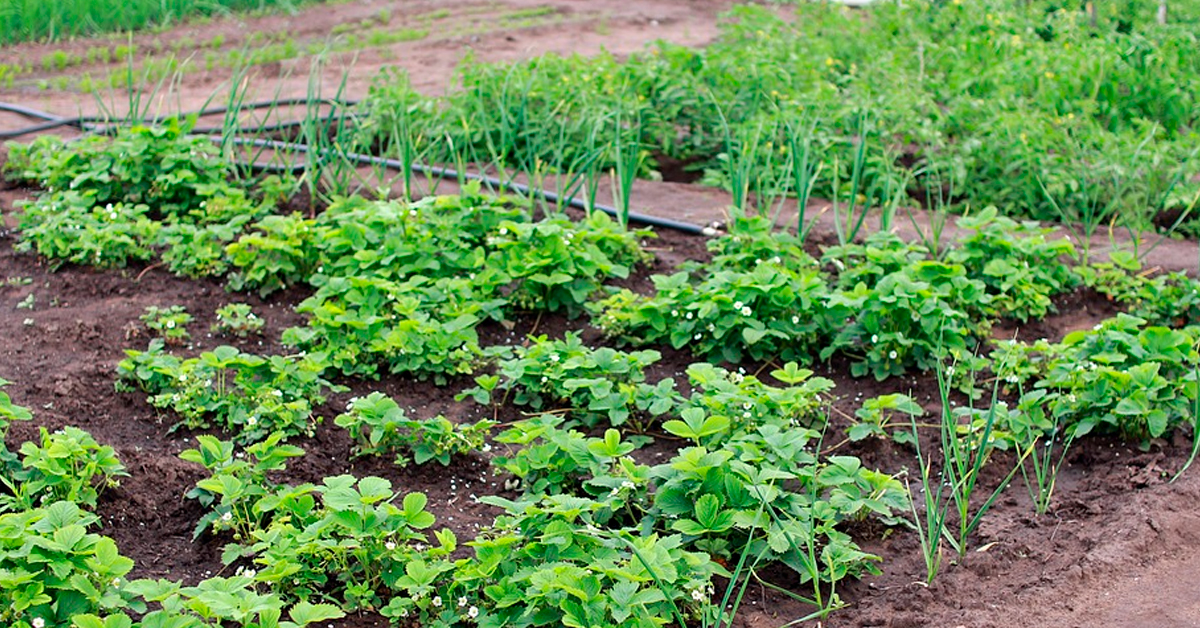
(304, 613)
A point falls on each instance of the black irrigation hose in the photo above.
(492, 182)
(52, 121)
(88, 123)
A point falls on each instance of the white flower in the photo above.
(473, 612)
(689, 316)
(697, 336)
(628, 484)
(170, 324)
(116, 582)
(462, 601)
(675, 313)
(38, 622)
(746, 311)
(698, 595)
(950, 371)
(250, 573)
(227, 516)
(554, 357)
(874, 338)
(795, 320)
(390, 546)
(892, 354)
(252, 421)
(737, 305)
(404, 612)
(437, 601)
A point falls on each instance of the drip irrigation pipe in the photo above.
(492, 182)
(86, 124)
(90, 123)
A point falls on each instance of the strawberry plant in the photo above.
(553, 460)
(607, 577)
(1122, 377)
(555, 265)
(761, 298)
(213, 603)
(68, 465)
(343, 538)
(771, 311)
(9, 412)
(55, 569)
(1020, 268)
(595, 385)
(237, 319)
(68, 227)
(911, 318)
(169, 323)
(112, 201)
(878, 418)
(378, 426)
(746, 401)
(249, 395)
(418, 325)
(276, 253)
(236, 481)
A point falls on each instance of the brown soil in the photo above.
(1118, 548)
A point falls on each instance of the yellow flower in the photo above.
(829, 61)
(1049, 74)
